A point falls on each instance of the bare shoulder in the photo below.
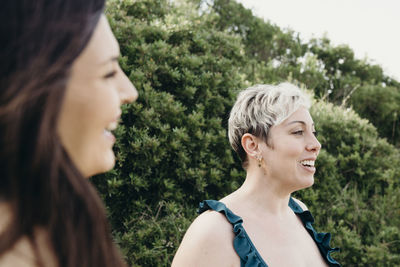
(207, 242)
(302, 205)
(23, 254)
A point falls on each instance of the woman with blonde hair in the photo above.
(260, 224)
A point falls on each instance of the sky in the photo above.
(370, 27)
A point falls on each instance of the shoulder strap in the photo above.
(245, 249)
(219, 207)
(321, 239)
(295, 206)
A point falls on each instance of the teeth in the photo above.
(308, 162)
(112, 126)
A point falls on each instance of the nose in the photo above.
(313, 145)
(127, 90)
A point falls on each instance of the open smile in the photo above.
(308, 165)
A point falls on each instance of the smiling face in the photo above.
(293, 148)
(91, 107)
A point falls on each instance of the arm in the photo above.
(207, 242)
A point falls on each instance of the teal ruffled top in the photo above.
(249, 256)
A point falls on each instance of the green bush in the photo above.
(332, 72)
(380, 105)
(172, 149)
(172, 146)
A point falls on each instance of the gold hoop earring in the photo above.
(259, 161)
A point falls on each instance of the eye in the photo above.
(111, 74)
(299, 132)
(315, 133)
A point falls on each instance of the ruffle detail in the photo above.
(321, 239)
(220, 207)
(249, 256)
(245, 249)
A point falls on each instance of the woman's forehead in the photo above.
(102, 47)
(300, 116)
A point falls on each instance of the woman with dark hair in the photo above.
(61, 89)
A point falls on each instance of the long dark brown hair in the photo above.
(40, 39)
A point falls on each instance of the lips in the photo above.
(111, 127)
(109, 135)
(308, 165)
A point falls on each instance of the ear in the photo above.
(250, 145)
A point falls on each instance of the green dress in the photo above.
(249, 256)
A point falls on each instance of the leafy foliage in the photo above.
(172, 145)
(188, 59)
(380, 105)
(333, 72)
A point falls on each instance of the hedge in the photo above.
(172, 149)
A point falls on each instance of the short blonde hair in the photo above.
(260, 107)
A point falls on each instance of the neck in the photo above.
(264, 192)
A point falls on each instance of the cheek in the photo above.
(290, 150)
(96, 145)
(83, 120)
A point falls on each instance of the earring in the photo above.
(259, 161)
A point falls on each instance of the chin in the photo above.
(308, 182)
(304, 182)
(102, 164)
(109, 162)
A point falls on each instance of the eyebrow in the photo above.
(112, 59)
(302, 122)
